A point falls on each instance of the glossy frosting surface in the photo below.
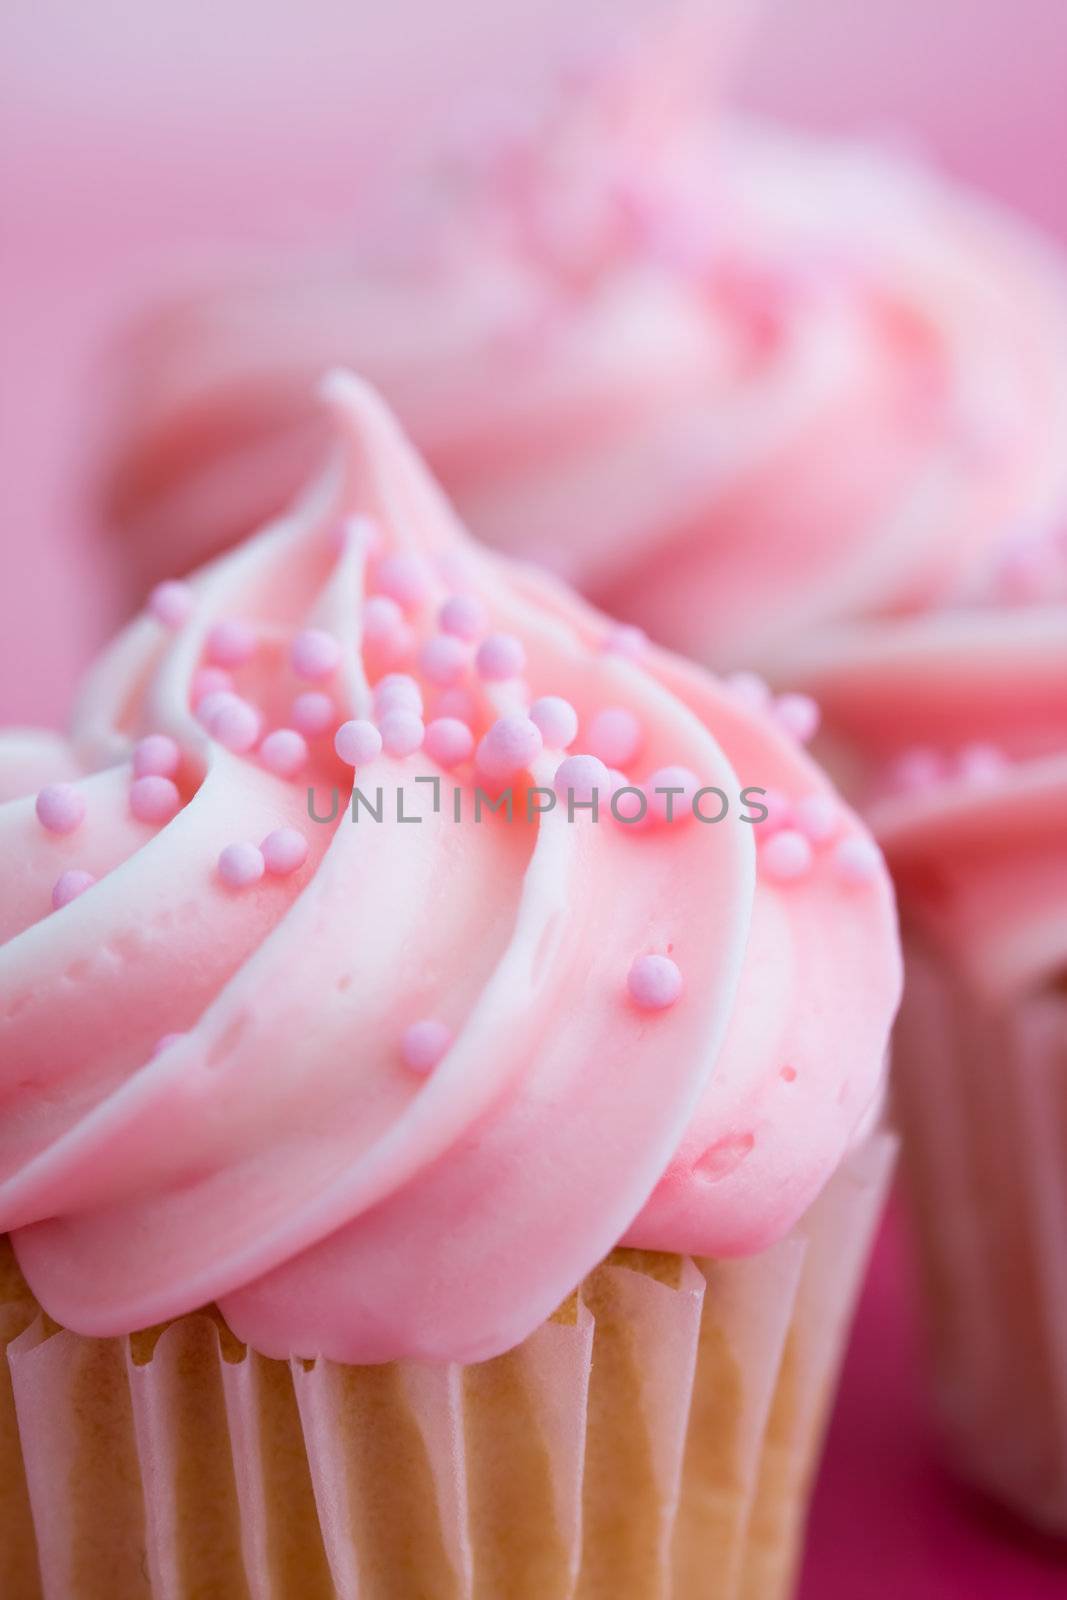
(209, 1084)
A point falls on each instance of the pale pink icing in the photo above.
(737, 387)
(279, 1154)
(973, 701)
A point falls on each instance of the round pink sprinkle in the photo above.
(315, 655)
(779, 809)
(581, 776)
(557, 720)
(500, 656)
(231, 643)
(313, 713)
(383, 620)
(157, 756)
(981, 763)
(675, 807)
(816, 816)
(509, 746)
(60, 807)
(464, 616)
(170, 603)
(232, 721)
(631, 806)
(404, 577)
(654, 982)
(625, 640)
(209, 680)
(402, 731)
(398, 691)
(750, 689)
(284, 851)
(458, 703)
(284, 752)
(918, 769)
(424, 1043)
(786, 855)
(69, 885)
(798, 715)
(448, 741)
(154, 799)
(357, 742)
(241, 865)
(164, 1042)
(615, 736)
(857, 860)
(443, 660)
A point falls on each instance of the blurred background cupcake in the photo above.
(393, 1095)
(736, 385)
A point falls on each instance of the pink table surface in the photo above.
(97, 212)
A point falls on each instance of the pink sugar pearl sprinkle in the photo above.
(209, 680)
(157, 756)
(315, 655)
(403, 577)
(69, 885)
(383, 620)
(241, 864)
(670, 793)
(398, 691)
(500, 657)
(313, 714)
(654, 983)
(749, 689)
(402, 732)
(786, 856)
(284, 851)
(615, 735)
(464, 616)
(798, 715)
(509, 746)
(171, 603)
(233, 722)
(557, 720)
(443, 660)
(60, 808)
(857, 860)
(357, 742)
(624, 640)
(284, 752)
(448, 741)
(816, 816)
(231, 643)
(154, 799)
(581, 776)
(424, 1044)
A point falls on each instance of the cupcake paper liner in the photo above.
(655, 1440)
(982, 1100)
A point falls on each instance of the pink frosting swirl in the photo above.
(209, 1083)
(736, 386)
(954, 725)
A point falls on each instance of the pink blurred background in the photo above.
(136, 140)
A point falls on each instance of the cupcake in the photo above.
(443, 1104)
(957, 725)
(737, 385)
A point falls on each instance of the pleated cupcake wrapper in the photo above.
(982, 1100)
(655, 1439)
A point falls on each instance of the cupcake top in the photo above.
(395, 935)
(954, 724)
(737, 386)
